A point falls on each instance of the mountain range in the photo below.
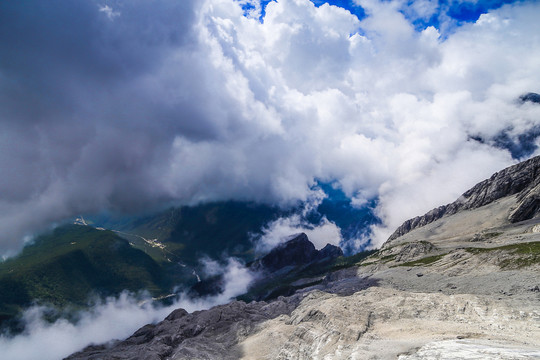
(162, 253)
(461, 281)
(477, 259)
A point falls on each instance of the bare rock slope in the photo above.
(210, 334)
(460, 283)
(522, 179)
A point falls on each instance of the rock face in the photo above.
(329, 252)
(522, 179)
(209, 334)
(528, 205)
(296, 252)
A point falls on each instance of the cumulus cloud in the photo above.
(111, 14)
(236, 278)
(280, 230)
(194, 101)
(114, 318)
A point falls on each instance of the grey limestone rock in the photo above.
(413, 251)
(522, 179)
(208, 334)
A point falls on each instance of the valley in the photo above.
(463, 281)
(162, 253)
(465, 284)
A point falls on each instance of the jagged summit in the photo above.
(286, 261)
(299, 250)
(522, 179)
(295, 252)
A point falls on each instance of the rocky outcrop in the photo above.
(209, 334)
(413, 251)
(528, 205)
(522, 179)
(296, 252)
(286, 259)
(329, 252)
(527, 209)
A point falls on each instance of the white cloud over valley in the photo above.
(111, 319)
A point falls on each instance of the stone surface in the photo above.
(384, 323)
(520, 178)
(473, 350)
(296, 252)
(209, 334)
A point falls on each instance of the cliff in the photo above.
(521, 179)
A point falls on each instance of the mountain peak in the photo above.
(297, 251)
(521, 179)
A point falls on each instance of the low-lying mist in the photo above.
(110, 319)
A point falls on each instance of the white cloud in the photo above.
(107, 10)
(281, 230)
(114, 318)
(203, 103)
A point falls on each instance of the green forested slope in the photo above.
(70, 264)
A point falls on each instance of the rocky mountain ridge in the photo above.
(460, 284)
(287, 261)
(522, 179)
(297, 251)
(210, 334)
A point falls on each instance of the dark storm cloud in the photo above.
(78, 127)
(58, 56)
(123, 105)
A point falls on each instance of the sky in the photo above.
(129, 105)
